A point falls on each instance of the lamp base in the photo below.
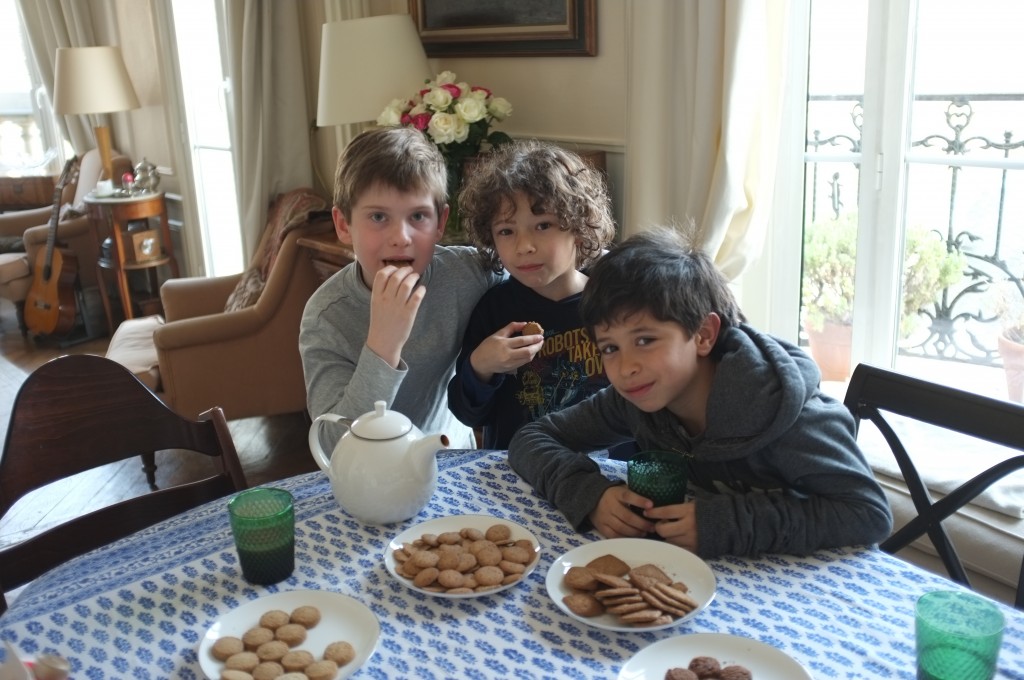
(103, 144)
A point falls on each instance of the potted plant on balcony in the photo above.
(1008, 307)
(830, 259)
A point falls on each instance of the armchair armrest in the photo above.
(246, 361)
(196, 296)
(15, 223)
(76, 234)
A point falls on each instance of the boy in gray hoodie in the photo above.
(773, 462)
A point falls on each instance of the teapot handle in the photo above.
(314, 439)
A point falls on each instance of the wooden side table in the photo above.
(328, 253)
(143, 250)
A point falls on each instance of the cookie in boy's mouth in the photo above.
(399, 263)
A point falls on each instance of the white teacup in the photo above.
(104, 187)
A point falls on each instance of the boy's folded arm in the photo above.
(833, 500)
(469, 398)
(551, 455)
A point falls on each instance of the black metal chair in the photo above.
(873, 392)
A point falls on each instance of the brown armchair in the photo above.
(76, 233)
(247, 360)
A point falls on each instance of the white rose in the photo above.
(443, 128)
(444, 78)
(439, 99)
(500, 108)
(418, 109)
(392, 115)
(471, 109)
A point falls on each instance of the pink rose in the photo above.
(453, 90)
(420, 121)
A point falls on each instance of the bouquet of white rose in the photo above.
(457, 117)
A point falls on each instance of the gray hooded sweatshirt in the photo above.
(777, 469)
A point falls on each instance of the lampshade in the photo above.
(92, 80)
(364, 64)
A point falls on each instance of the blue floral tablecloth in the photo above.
(139, 608)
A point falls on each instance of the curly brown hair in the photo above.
(555, 180)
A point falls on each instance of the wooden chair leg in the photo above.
(149, 467)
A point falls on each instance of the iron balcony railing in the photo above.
(982, 189)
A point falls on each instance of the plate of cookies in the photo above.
(462, 556)
(629, 584)
(323, 634)
(712, 656)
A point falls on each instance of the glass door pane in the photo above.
(832, 170)
(964, 245)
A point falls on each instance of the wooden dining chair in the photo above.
(875, 392)
(76, 413)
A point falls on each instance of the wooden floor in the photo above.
(270, 448)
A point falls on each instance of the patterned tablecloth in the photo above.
(139, 608)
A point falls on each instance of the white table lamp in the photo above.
(364, 64)
(93, 80)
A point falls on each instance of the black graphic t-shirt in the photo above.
(567, 370)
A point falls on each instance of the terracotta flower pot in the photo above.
(1013, 366)
(831, 349)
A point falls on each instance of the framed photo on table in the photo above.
(498, 28)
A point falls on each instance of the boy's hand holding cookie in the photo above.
(394, 302)
(504, 351)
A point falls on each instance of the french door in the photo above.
(911, 218)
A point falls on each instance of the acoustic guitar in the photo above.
(50, 308)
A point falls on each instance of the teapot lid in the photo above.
(380, 423)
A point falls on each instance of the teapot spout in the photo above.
(422, 456)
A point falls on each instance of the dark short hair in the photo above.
(397, 157)
(661, 272)
(555, 180)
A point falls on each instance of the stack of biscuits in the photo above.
(639, 596)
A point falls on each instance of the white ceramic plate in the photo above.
(681, 565)
(341, 618)
(763, 661)
(457, 523)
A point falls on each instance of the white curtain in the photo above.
(271, 116)
(705, 88)
(50, 24)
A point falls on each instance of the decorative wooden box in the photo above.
(24, 193)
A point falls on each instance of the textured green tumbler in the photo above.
(659, 476)
(958, 636)
(263, 524)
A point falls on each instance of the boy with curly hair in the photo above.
(773, 462)
(543, 214)
(389, 325)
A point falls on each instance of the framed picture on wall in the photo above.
(498, 28)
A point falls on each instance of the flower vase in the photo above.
(453, 232)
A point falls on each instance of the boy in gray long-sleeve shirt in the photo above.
(390, 325)
(773, 462)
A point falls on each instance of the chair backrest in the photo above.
(76, 413)
(874, 392)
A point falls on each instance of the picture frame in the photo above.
(497, 28)
(146, 245)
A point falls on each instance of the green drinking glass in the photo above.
(958, 636)
(658, 475)
(263, 525)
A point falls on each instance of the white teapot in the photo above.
(383, 469)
